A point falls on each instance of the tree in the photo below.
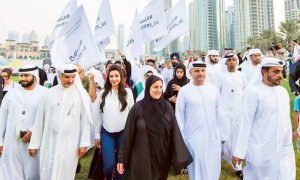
(289, 30)
(264, 40)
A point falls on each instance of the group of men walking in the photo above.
(222, 113)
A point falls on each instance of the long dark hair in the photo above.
(122, 93)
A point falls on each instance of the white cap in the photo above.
(213, 52)
(272, 62)
(254, 51)
(196, 64)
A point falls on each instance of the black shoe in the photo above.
(239, 174)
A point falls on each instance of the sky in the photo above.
(24, 16)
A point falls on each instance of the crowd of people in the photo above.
(189, 113)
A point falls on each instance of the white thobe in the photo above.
(200, 118)
(265, 134)
(213, 71)
(18, 111)
(167, 74)
(250, 70)
(61, 128)
(231, 86)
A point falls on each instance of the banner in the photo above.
(134, 45)
(104, 25)
(63, 20)
(152, 22)
(76, 44)
(178, 25)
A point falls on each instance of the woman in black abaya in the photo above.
(152, 140)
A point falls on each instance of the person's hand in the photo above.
(173, 99)
(175, 87)
(32, 152)
(295, 135)
(1, 150)
(91, 77)
(98, 143)
(120, 168)
(236, 160)
(27, 137)
(82, 151)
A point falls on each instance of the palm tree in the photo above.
(264, 40)
(289, 30)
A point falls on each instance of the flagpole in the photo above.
(169, 50)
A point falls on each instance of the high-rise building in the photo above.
(33, 36)
(186, 43)
(229, 27)
(252, 17)
(13, 35)
(25, 38)
(292, 9)
(121, 37)
(274, 14)
(46, 41)
(192, 21)
(207, 25)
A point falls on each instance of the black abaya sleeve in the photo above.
(128, 136)
(168, 92)
(180, 153)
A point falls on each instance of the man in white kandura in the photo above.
(265, 134)
(213, 67)
(251, 66)
(17, 116)
(231, 85)
(202, 123)
(62, 128)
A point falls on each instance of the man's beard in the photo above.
(174, 64)
(27, 84)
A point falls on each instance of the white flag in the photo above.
(76, 44)
(177, 25)
(152, 21)
(104, 25)
(134, 45)
(63, 20)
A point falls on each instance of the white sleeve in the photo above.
(179, 111)
(85, 126)
(246, 114)
(130, 99)
(223, 120)
(3, 118)
(38, 126)
(98, 121)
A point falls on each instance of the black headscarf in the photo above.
(158, 126)
(184, 80)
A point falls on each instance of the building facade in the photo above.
(207, 23)
(251, 17)
(292, 9)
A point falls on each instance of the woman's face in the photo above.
(5, 76)
(179, 73)
(114, 78)
(156, 90)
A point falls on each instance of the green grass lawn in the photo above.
(226, 174)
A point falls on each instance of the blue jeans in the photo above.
(110, 147)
